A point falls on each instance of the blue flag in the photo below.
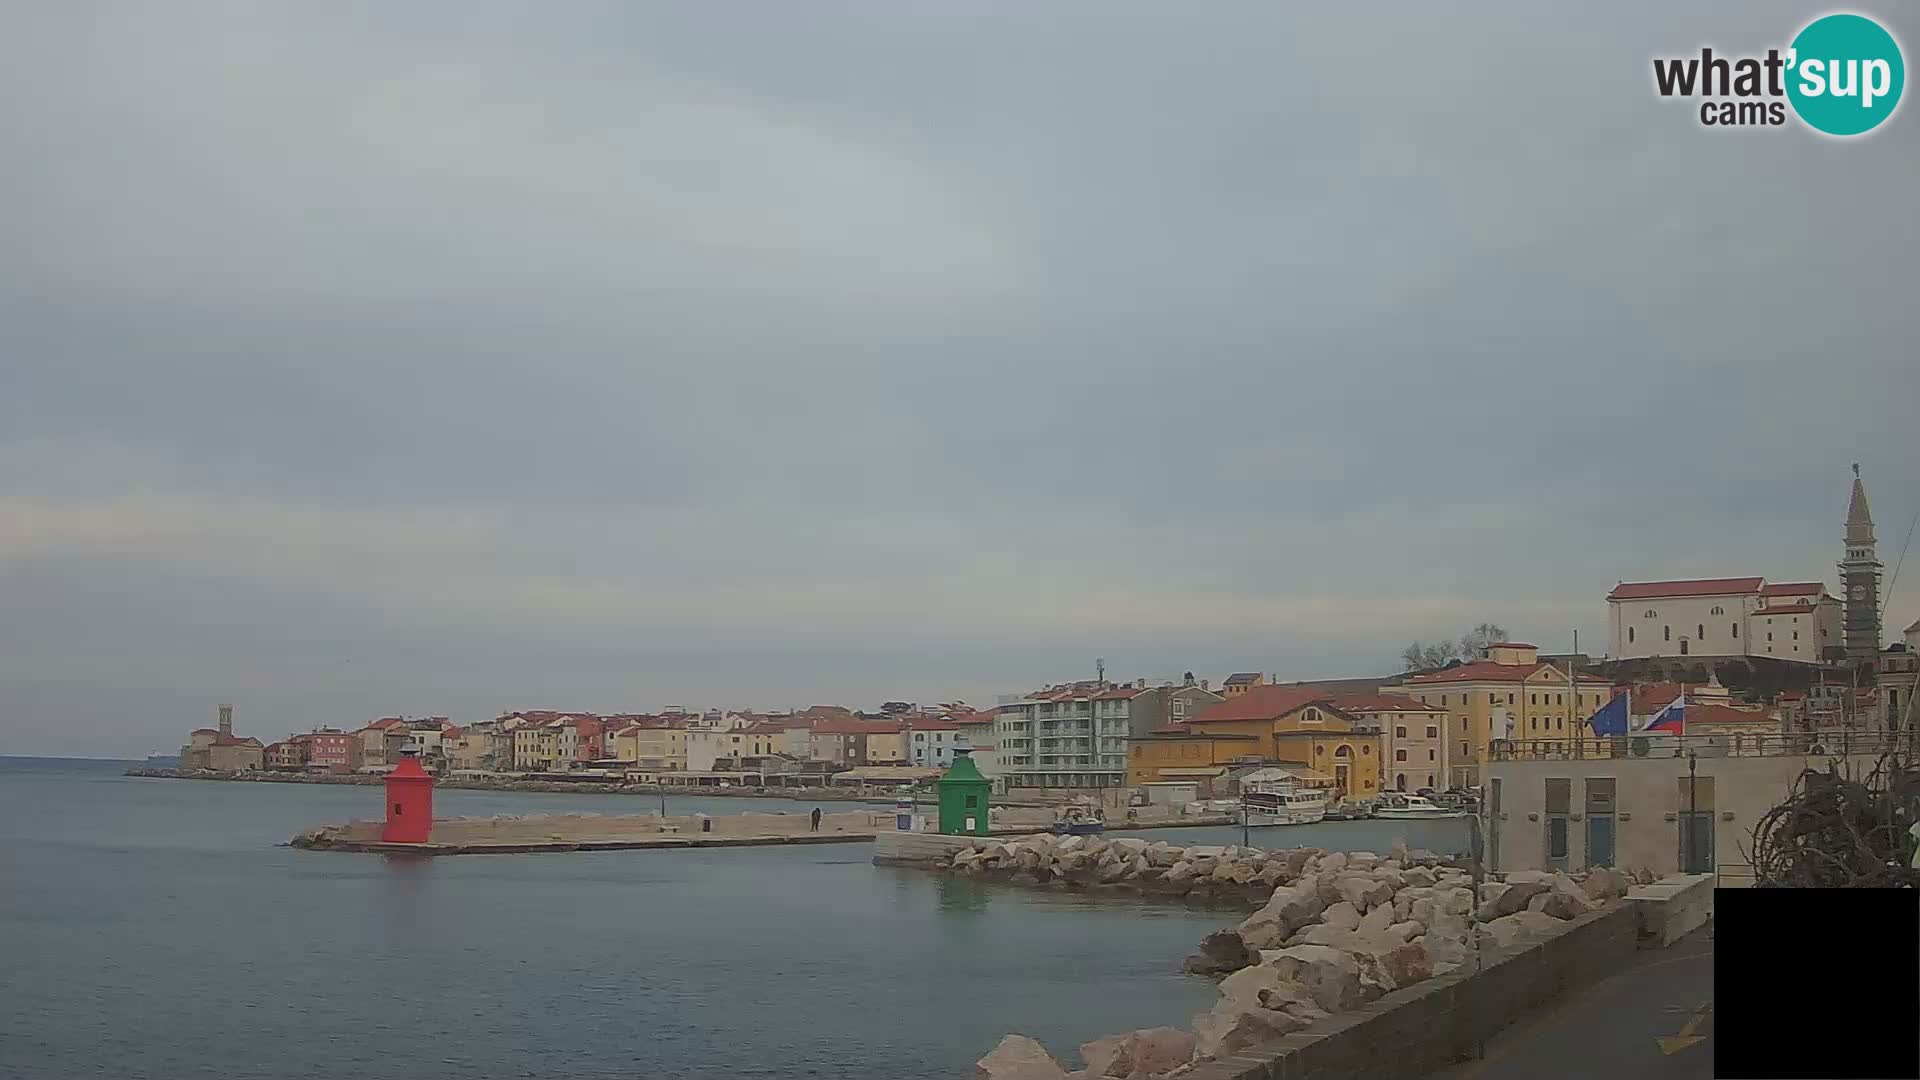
(1611, 719)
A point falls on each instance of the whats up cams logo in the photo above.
(1842, 75)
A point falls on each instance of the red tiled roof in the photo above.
(1488, 671)
(206, 731)
(1261, 703)
(1648, 590)
(933, 725)
(1792, 588)
(1118, 693)
(1366, 703)
(1652, 697)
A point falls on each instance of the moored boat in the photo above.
(1401, 807)
(1281, 804)
(1075, 821)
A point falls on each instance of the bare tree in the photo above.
(1475, 641)
(1426, 655)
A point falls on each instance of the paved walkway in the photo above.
(1653, 1021)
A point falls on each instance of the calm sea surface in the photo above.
(153, 928)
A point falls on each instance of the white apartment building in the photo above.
(1719, 617)
(1070, 736)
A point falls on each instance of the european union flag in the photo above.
(1612, 717)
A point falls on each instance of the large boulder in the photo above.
(1220, 952)
(1375, 922)
(1295, 906)
(1520, 928)
(1605, 884)
(1395, 878)
(1511, 898)
(1297, 860)
(1362, 860)
(1521, 877)
(1331, 975)
(1069, 843)
(1264, 929)
(1333, 862)
(1149, 1052)
(1324, 934)
(1561, 906)
(1019, 1058)
(1406, 931)
(1343, 916)
(1390, 969)
(1229, 1030)
(1133, 846)
(1363, 892)
(1162, 854)
(1454, 901)
(1418, 876)
(1181, 872)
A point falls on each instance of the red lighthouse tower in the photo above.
(409, 803)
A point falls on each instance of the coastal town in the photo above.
(1744, 676)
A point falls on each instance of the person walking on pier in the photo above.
(814, 820)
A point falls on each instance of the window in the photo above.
(1699, 630)
(1343, 750)
(1399, 755)
(1366, 748)
(1666, 633)
(1769, 638)
(1718, 610)
(1796, 635)
(1735, 627)
(1533, 699)
(1509, 699)
(1433, 731)
(1559, 699)
(1492, 699)
(1629, 635)
(1399, 733)
(1432, 755)
(1650, 614)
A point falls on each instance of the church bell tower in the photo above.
(1860, 578)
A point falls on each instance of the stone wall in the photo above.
(1432, 1024)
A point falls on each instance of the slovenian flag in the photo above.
(1671, 720)
(1611, 719)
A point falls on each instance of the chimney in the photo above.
(226, 721)
(1203, 684)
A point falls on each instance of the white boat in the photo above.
(1396, 806)
(1281, 804)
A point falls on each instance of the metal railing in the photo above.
(1842, 743)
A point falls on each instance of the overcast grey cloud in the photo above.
(365, 358)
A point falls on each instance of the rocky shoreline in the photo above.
(1328, 933)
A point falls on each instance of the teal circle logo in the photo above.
(1845, 74)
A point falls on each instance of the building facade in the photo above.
(1068, 736)
(1157, 706)
(1414, 734)
(1547, 809)
(1723, 617)
(1302, 726)
(1512, 694)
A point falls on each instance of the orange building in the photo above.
(1301, 724)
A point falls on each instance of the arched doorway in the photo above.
(1342, 768)
(1400, 782)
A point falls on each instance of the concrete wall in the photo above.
(917, 849)
(1431, 1025)
(1649, 800)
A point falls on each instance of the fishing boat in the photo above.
(1077, 821)
(1398, 807)
(1269, 803)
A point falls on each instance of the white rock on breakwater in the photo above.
(1336, 932)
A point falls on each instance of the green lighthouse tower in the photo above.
(963, 797)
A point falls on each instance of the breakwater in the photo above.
(1330, 935)
(558, 787)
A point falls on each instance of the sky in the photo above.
(361, 359)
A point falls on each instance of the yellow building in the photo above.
(1300, 724)
(886, 747)
(661, 749)
(1512, 694)
(536, 747)
(1169, 755)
